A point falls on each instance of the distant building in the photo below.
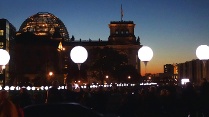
(122, 38)
(169, 76)
(42, 45)
(194, 70)
(7, 36)
(171, 71)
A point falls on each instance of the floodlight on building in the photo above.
(184, 81)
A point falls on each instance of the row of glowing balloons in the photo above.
(79, 54)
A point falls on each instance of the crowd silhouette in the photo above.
(138, 101)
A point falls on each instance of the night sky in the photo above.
(172, 28)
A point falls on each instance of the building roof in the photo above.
(44, 23)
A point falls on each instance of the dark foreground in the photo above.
(149, 101)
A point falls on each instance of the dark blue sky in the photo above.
(172, 28)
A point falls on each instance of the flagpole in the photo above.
(121, 11)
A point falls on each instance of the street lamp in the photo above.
(50, 74)
(145, 54)
(202, 53)
(4, 59)
(78, 55)
(129, 77)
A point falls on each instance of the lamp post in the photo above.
(145, 54)
(4, 59)
(78, 55)
(202, 53)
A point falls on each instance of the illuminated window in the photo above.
(1, 32)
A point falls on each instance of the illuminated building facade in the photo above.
(123, 39)
(42, 46)
(7, 36)
(44, 23)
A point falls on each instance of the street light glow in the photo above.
(129, 77)
(50, 73)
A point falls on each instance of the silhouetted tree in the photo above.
(75, 74)
(106, 61)
(127, 73)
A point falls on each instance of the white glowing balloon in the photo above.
(4, 57)
(145, 53)
(202, 52)
(78, 54)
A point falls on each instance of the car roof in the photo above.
(60, 110)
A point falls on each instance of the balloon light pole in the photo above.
(78, 55)
(202, 53)
(145, 54)
(4, 59)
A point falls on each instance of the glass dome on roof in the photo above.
(44, 23)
